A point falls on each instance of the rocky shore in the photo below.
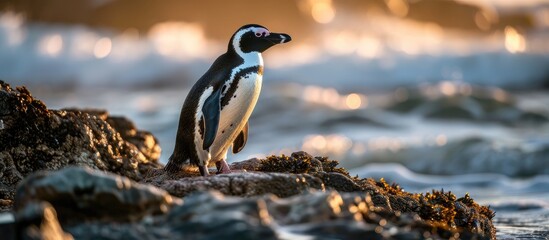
(84, 174)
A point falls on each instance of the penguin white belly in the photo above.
(235, 114)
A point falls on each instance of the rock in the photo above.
(34, 138)
(38, 220)
(300, 173)
(77, 194)
(244, 184)
(143, 140)
(211, 214)
(299, 162)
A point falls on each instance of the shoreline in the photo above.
(118, 157)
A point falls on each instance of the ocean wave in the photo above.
(471, 155)
(177, 53)
(502, 191)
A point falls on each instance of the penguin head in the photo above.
(256, 38)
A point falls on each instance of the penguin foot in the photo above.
(204, 170)
(222, 167)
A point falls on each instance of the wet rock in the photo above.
(464, 102)
(143, 140)
(77, 194)
(338, 181)
(250, 165)
(38, 220)
(34, 138)
(244, 184)
(282, 176)
(211, 214)
(298, 174)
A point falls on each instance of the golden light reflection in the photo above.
(332, 98)
(264, 215)
(178, 39)
(301, 54)
(514, 41)
(322, 11)
(441, 140)
(312, 94)
(500, 95)
(330, 95)
(333, 144)
(409, 47)
(318, 142)
(369, 47)
(398, 7)
(102, 48)
(11, 22)
(335, 201)
(83, 44)
(353, 101)
(51, 45)
(385, 143)
(448, 88)
(342, 42)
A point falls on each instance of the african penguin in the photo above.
(216, 111)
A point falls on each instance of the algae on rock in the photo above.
(34, 138)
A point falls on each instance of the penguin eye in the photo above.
(258, 34)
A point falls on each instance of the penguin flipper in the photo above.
(241, 140)
(210, 112)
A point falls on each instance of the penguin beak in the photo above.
(278, 38)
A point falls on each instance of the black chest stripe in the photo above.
(225, 99)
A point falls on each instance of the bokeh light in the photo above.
(353, 101)
(514, 41)
(178, 39)
(51, 45)
(103, 48)
(322, 11)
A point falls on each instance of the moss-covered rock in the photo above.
(440, 213)
(34, 138)
(101, 208)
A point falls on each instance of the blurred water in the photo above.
(426, 111)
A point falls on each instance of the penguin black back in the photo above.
(209, 104)
(220, 69)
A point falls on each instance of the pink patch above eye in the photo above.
(262, 32)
